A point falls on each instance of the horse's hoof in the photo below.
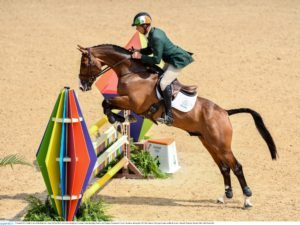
(247, 203)
(120, 119)
(111, 119)
(221, 200)
(132, 119)
(248, 206)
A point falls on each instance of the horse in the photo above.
(137, 92)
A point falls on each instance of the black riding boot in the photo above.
(167, 94)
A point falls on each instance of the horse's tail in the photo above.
(259, 123)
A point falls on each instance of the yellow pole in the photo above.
(103, 180)
(93, 129)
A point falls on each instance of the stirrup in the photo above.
(168, 120)
(165, 121)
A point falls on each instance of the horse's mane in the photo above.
(115, 47)
(151, 68)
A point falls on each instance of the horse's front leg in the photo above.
(119, 102)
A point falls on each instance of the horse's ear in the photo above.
(82, 49)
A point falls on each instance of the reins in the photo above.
(107, 68)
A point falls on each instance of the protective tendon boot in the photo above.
(167, 94)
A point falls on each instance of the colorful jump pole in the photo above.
(66, 155)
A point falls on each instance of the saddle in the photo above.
(179, 90)
(189, 90)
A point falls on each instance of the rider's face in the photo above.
(143, 29)
(140, 29)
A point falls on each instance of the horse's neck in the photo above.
(139, 78)
(107, 55)
(122, 64)
(113, 57)
(110, 59)
(126, 65)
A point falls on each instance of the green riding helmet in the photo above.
(141, 18)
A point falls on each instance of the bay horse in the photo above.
(137, 92)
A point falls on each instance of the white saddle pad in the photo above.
(182, 102)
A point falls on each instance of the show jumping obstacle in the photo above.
(68, 157)
(110, 144)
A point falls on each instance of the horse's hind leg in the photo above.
(225, 171)
(238, 171)
(216, 137)
(236, 167)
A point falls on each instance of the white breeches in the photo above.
(169, 75)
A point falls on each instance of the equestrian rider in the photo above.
(161, 47)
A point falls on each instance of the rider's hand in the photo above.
(132, 49)
(136, 55)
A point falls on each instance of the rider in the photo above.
(161, 47)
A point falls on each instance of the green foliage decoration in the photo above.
(93, 211)
(39, 211)
(146, 163)
(88, 211)
(13, 160)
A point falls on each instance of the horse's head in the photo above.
(90, 69)
(113, 56)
